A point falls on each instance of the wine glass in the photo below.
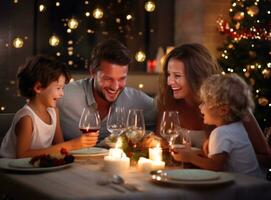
(135, 126)
(170, 126)
(116, 121)
(89, 121)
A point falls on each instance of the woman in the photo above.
(185, 69)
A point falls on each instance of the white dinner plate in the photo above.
(191, 174)
(23, 165)
(92, 151)
(223, 178)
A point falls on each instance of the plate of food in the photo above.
(41, 163)
(92, 151)
(191, 177)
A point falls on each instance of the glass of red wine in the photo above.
(89, 121)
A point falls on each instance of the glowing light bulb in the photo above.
(54, 40)
(98, 13)
(73, 23)
(149, 6)
(18, 42)
(41, 7)
(140, 56)
(129, 17)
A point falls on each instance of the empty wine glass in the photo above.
(116, 121)
(89, 121)
(135, 126)
(185, 139)
(170, 126)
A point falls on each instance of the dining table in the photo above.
(84, 178)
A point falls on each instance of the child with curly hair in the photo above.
(226, 101)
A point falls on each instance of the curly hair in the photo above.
(198, 64)
(111, 51)
(231, 90)
(41, 69)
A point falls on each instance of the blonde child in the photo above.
(226, 101)
(35, 129)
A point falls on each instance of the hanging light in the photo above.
(73, 23)
(149, 6)
(54, 40)
(41, 8)
(140, 56)
(98, 13)
(18, 42)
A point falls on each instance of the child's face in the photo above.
(52, 92)
(211, 115)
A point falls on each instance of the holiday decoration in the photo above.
(247, 50)
(149, 6)
(140, 56)
(54, 40)
(18, 42)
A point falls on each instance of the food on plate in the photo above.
(47, 160)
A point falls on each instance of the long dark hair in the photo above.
(198, 64)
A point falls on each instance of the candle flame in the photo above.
(119, 143)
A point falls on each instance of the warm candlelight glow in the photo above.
(116, 161)
(155, 153)
(147, 165)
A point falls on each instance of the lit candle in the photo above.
(116, 161)
(147, 165)
(155, 153)
(144, 164)
(156, 165)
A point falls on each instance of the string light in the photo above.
(18, 42)
(98, 13)
(57, 3)
(54, 40)
(41, 7)
(87, 14)
(140, 56)
(149, 6)
(129, 17)
(73, 23)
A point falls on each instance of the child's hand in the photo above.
(85, 140)
(181, 154)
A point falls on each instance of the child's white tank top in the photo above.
(42, 135)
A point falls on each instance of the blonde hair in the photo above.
(198, 64)
(229, 89)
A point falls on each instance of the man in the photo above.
(106, 87)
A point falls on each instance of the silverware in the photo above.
(105, 182)
(118, 180)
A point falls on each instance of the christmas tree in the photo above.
(247, 50)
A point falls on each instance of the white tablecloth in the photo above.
(80, 182)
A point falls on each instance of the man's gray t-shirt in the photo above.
(79, 94)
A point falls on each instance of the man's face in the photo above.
(110, 80)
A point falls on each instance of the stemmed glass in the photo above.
(135, 126)
(170, 126)
(116, 121)
(89, 121)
